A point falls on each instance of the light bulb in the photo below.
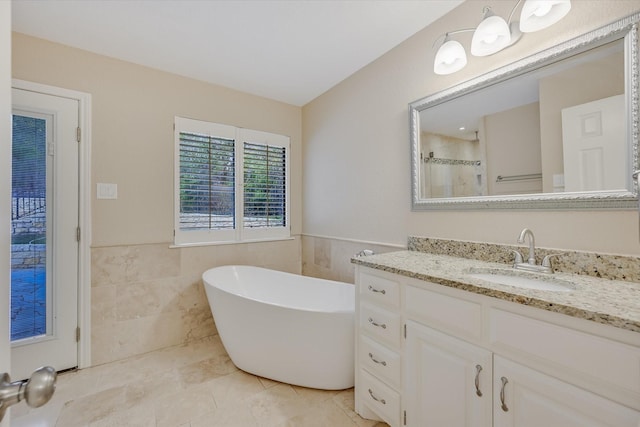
(490, 38)
(542, 9)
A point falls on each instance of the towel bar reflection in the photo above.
(524, 177)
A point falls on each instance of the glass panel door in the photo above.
(44, 247)
(30, 196)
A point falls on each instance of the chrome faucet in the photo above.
(531, 265)
(532, 244)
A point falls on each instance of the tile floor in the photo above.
(193, 385)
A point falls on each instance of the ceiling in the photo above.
(287, 50)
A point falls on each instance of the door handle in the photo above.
(503, 405)
(477, 380)
(36, 391)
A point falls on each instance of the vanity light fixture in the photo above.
(494, 34)
(491, 36)
(451, 56)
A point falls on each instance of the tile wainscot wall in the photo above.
(147, 297)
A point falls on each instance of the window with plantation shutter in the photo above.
(264, 186)
(231, 184)
(207, 182)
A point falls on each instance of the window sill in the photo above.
(234, 242)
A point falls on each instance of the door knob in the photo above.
(36, 391)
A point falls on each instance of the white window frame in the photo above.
(240, 233)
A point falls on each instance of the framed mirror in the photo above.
(556, 130)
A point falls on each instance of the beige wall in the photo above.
(513, 148)
(133, 113)
(146, 295)
(356, 148)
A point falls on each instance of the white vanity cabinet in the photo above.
(465, 359)
(441, 370)
(378, 348)
(527, 398)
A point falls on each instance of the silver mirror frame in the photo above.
(626, 28)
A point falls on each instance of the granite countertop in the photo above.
(610, 302)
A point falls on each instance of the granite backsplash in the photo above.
(605, 266)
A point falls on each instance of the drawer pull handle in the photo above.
(379, 362)
(478, 370)
(379, 325)
(372, 289)
(504, 384)
(376, 399)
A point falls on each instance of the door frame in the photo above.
(84, 208)
(5, 187)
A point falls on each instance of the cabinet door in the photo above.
(448, 381)
(532, 399)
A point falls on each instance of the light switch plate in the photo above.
(107, 191)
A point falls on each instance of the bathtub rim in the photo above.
(346, 311)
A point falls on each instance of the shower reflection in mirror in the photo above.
(456, 171)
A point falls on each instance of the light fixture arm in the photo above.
(449, 33)
(513, 11)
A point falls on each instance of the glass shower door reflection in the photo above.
(30, 193)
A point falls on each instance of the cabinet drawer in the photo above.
(380, 361)
(380, 323)
(379, 290)
(380, 398)
(448, 314)
(597, 363)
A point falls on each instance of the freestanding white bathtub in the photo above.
(289, 328)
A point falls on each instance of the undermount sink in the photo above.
(520, 280)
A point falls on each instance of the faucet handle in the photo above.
(518, 257)
(546, 261)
